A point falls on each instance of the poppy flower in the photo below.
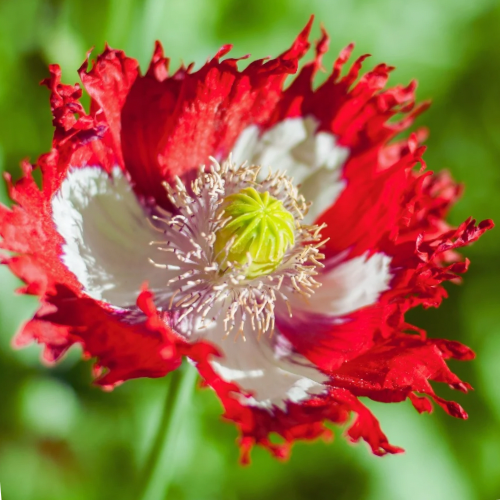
(274, 235)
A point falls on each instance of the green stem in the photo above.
(160, 466)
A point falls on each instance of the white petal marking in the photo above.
(106, 235)
(314, 160)
(266, 367)
(244, 148)
(256, 368)
(349, 286)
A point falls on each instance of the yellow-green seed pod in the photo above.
(259, 226)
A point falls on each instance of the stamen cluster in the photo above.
(204, 285)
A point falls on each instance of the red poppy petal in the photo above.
(108, 83)
(300, 421)
(393, 370)
(329, 342)
(172, 125)
(125, 347)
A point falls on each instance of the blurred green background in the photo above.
(62, 439)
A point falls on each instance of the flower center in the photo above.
(233, 253)
(257, 232)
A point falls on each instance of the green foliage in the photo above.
(62, 439)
